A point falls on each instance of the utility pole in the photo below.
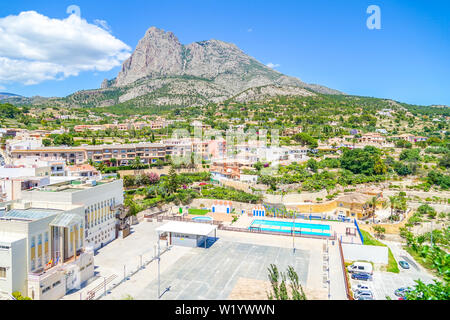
(293, 235)
(159, 261)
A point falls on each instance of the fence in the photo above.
(346, 280)
(182, 219)
(251, 230)
(287, 234)
(359, 231)
(108, 284)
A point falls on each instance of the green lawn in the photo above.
(198, 212)
(371, 241)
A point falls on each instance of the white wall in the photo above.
(375, 254)
(15, 260)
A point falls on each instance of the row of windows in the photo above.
(2, 272)
(93, 218)
(57, 283)
(39, 237)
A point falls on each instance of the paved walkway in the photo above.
(199, 274)
(337, 279)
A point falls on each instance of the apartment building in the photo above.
(125, 154)
(178, 148)
(74, 155)
(372, 138)
(15, 179)
(229, 168)
(42, 252)
(410, 138)
(100, 201)
(82, 128)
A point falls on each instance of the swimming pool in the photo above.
(285, 226)
(203, 219)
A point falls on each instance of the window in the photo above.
(56, 284)
(2, 272)
(45, 290)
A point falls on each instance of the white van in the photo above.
(365, 267)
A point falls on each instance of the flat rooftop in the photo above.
(192, 228)
(30, 214)
(71, 186)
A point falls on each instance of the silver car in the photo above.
(366, 294)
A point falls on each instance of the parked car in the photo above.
(404, 264)
(361, 276)
(365, 267)
(360, 287)
(362, 293)
(401, 292)
(365, 298)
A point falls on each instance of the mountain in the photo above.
(6, 95)
(162, 71)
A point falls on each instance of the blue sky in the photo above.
(323, 42)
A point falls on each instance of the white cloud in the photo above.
(249, 30)
(272, 65)
(103, 24)
(2, 87)
(36, 48)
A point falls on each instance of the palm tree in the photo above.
(394, 202)
(373, 202)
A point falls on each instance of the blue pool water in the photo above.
(285, 226)
(203, 218)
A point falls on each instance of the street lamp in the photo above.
(293, 234)
(104, 284)
(159, 262)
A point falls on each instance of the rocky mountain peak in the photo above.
(162, 71)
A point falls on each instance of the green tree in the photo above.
(173, 180)
(434, 291)
(379, 231)
(312, 164)
(46, 142)
(366, 161)
(18, 296)
(279, 287)
(64, 139)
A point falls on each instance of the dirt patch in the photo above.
(390, 228)
(251, 289)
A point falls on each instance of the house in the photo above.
(222, 207)
(259, 211)
(82, 170)
(354, 205)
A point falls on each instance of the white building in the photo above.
(15, 179)
(222, 207)
(100, 200)
(42, 253)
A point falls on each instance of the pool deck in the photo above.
(340, 228)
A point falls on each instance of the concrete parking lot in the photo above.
(212, 273)
(384, 284)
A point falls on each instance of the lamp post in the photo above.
(293, 235)
(159, 262)
(104, 284)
